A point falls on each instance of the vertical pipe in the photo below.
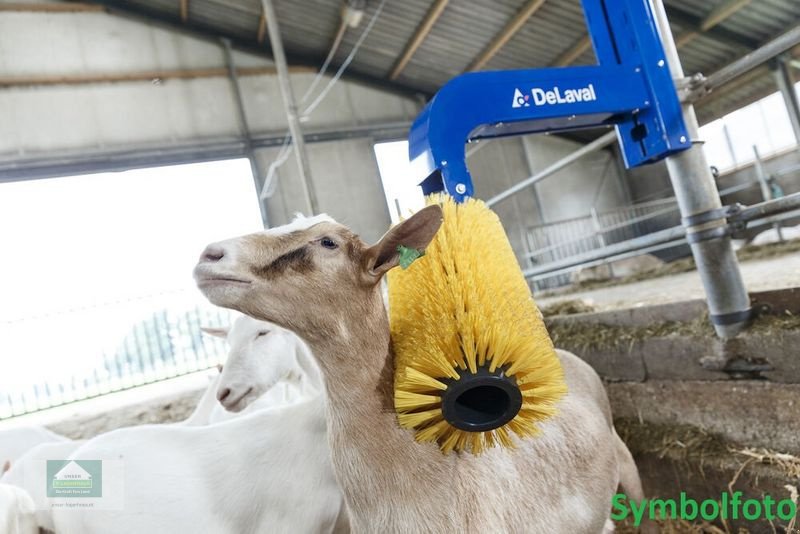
(245, 128)
(292, 118)
(696, 192)
(766, 190)
(783, 79)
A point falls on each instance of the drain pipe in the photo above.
(279, 56)
(699, 203)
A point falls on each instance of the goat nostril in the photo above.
(213, 253)
(223, 394)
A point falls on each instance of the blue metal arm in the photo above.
(631, 88)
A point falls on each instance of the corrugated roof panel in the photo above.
(464, 30)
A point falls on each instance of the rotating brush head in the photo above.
(473, 361)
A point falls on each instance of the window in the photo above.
(765, 124)
(97, 289)
(400, 182)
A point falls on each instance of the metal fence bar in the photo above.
(152, 350)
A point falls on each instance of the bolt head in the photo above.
(683, 139)
(461, 189)
(660, 62)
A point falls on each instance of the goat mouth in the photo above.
(211, 280)
(236, 405)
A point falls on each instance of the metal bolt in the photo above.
(660, 62)
(683, 139)
(461, 189)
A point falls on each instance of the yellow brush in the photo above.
(473, 360)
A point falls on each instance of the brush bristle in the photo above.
(466, 304)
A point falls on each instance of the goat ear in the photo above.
(415, 232)
(216, 332)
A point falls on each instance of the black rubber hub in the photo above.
(481, 402)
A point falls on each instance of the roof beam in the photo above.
(204, 30)
(505, 34)
(184, 10)
(691, 23)
(569, 56)
(722, 12)
(420, 34)
(66, 7)
(717, 16)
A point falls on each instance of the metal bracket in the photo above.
(631, 89)
(728, 214)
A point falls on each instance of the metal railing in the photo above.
(79, 354)
(556, 249)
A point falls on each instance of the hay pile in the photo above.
(580, 337)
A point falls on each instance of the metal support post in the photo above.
(245, 128)
(292, 117)
(766, 189)
(783, 79)
(696, 193)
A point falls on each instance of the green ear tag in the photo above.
(408, 255)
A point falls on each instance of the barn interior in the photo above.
(314, 99)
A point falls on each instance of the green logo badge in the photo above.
(74, 478)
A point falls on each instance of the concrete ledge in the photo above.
(751, 413)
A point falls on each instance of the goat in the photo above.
(266, 470)
(17, 514)
(15, 442)
(318, 279)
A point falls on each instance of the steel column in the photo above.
(245, 128)
(783, 79)
(303, 166)
(696, 192)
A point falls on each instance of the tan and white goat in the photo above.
(318, 279)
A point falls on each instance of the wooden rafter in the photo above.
(419, 36)
(262, 29)
(505, 34)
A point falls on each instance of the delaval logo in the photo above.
(520, 100)
(554, 96)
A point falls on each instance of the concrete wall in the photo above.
(47, 119)
(592, 181)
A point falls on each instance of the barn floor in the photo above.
(759, 275)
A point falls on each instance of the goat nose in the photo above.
(223, 394)
(213, 253)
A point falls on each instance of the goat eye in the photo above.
(329, 243)
(264, 333)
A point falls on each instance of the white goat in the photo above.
(320, 280)
(14, 442)
(16, 511)
(267, 470)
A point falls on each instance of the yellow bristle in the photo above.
(465, 305)
(406, 400)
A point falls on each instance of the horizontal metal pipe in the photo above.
(754, 59)
(612, 259)
(140, 76)
(770, 207)
(636, 243)
(599, 143)
(604, 256)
